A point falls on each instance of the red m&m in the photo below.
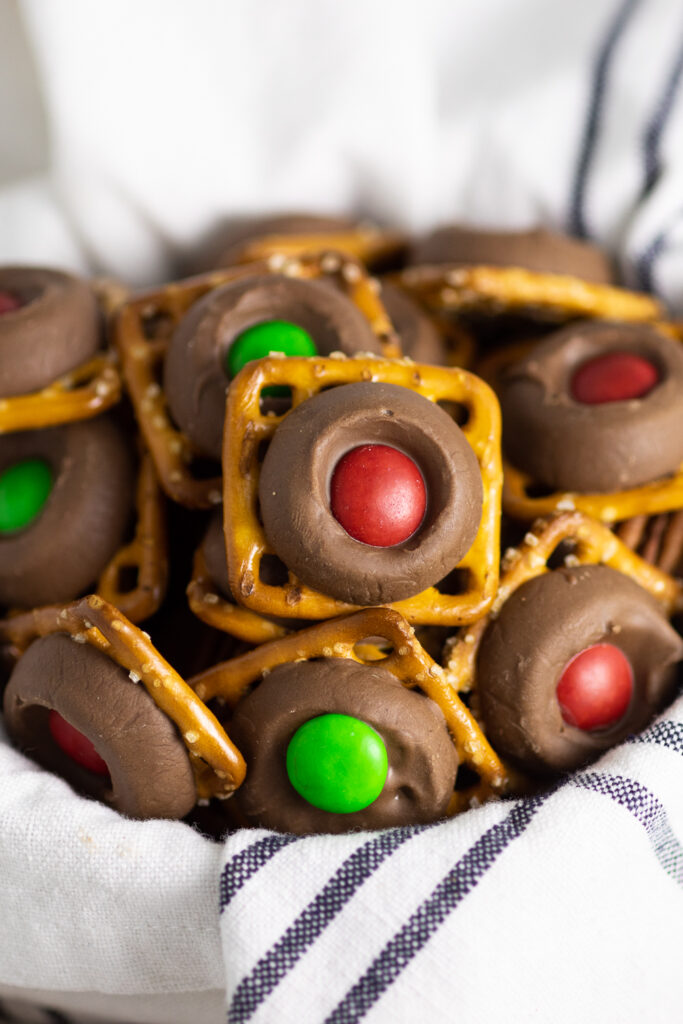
(75, 745)
(613, 377)
(9, 302)
(378, 495)
(595, 688)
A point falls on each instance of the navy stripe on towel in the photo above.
(647, 809)
(240, 868)
(301, 934)
(577, 217)
(662, 734)
(459, 881)
(654, 132)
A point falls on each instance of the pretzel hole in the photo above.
(456, 410)
(275, 400)
(556, 559)
(156, 324)
(128, 578)
(204, 468)
(466, 778)
(272, 571)
(457, 582)
(372, 649)
(534, 489)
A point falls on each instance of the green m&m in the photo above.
(24, 489)
(337, 763)
(261, 340)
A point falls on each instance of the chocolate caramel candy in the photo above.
(49, 324)
(66, 496)
(371, 534)
(536, 249)
(596, 407)
(576, 661)
(333, 746)
(76, 712)
(245, 320)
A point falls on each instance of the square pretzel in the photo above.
(407, 660)
(248, 430)
(495, 290)
(143, 327)
(664, 495)
(594, 544)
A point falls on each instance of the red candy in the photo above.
(75, 745)
(378, 495)
(9, 302)
(595, 687)
(614, 377)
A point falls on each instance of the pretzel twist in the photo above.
(84, 392)
(594, 544)
(143, 326)
(408, 661)
(147, 553)
(213, 609)
(487, 289)
(217, 763)
(247, 429)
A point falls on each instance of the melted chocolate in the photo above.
(568, 445)
(150, 775)
(295, 504)
(63, 551)
(195, 379)
(544, 624)
(56, 329)
(422, 759)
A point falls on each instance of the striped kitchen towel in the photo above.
(564, 906)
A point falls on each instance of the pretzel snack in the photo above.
(84, 392)
(246, 430)
(595, 544)
(213, 609)
(143, 326)
(366, 243)
(456, 289)
(147, 553)
(217, 764)
(662, 495)
(408, 661)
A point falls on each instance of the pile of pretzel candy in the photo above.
(271, 556)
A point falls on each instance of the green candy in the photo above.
(24, 489)
(263, 339)
(337, 763)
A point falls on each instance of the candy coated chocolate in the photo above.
(57, 327)
(150, 775)
(195, 378)
(295, 500)
(84, 519)
(570, 445)
(378, 495)
(541, 627)
(537, 249)
(422, 761)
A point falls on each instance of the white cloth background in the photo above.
(162, 118)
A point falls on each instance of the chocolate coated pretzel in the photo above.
(141, 332)
(408, 661)
(247, 428)
(217, 764)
